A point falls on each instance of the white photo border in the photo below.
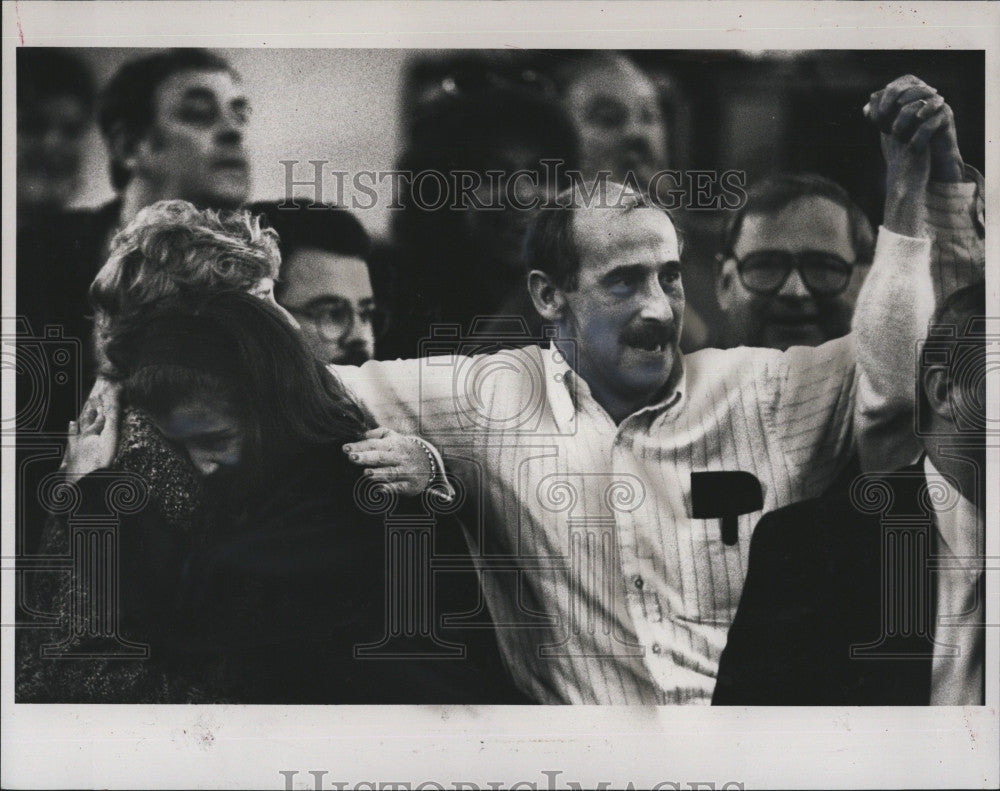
(46, 746)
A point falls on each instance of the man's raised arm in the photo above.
(928, 244)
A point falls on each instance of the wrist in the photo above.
(432, 478)
(904, 214)
(950, 172)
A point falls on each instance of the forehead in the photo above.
(311, 273)
(58, 106)
(606, 238)
(221, 84)
(807, 223)
(197, 415)
(613, 80)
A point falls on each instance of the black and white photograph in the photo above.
(383, 382)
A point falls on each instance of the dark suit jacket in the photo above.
(815, 589)
(56, 262)
(57, 258)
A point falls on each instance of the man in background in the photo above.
(615, 109)
(324, 281)
(55, 104)
(793, 261)
(173, 123)
(457, 254)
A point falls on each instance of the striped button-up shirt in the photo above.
(603, 584)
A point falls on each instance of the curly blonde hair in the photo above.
(171, 249)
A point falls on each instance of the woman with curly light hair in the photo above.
(173, 249)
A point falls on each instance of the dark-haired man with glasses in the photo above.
(324, 281)
(794, 259)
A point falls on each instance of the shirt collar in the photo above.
(565, 389)
(562, 387)
(958, 521)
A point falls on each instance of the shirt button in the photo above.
(639, 583)
(656, 648)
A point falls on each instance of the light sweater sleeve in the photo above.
(893, 309)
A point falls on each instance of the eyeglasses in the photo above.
(334, 318)
(765, 272)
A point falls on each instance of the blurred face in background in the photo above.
(194, 149)
(616, 111)
(498, 233)
(331, 296)
(793, 315)
(51, 132)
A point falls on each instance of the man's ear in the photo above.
(725, 280)
(936, 382)
(123, 147)
(549, 299)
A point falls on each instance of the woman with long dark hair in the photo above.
(269, 594)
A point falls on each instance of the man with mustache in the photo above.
(611, 577)
(617, 112)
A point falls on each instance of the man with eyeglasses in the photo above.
(324, 281)
(794, 259)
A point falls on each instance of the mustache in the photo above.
(649, 334)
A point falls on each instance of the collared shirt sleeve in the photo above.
(956, 222)
(894, 307)
(813, 407)
(411, 397)
(408, 396)
(890, 318)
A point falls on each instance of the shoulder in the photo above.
(76, 232)
(88, 225)
(822, 527)
(735, 366)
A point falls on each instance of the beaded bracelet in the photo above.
(430, 458)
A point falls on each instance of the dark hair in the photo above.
(43, 72)
(550, 244)
(301, 223)
(773, 193)
(956, 337)
(465, 132)
(128, 101)
(565, 67)
(241, 351)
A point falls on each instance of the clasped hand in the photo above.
(398, 461)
